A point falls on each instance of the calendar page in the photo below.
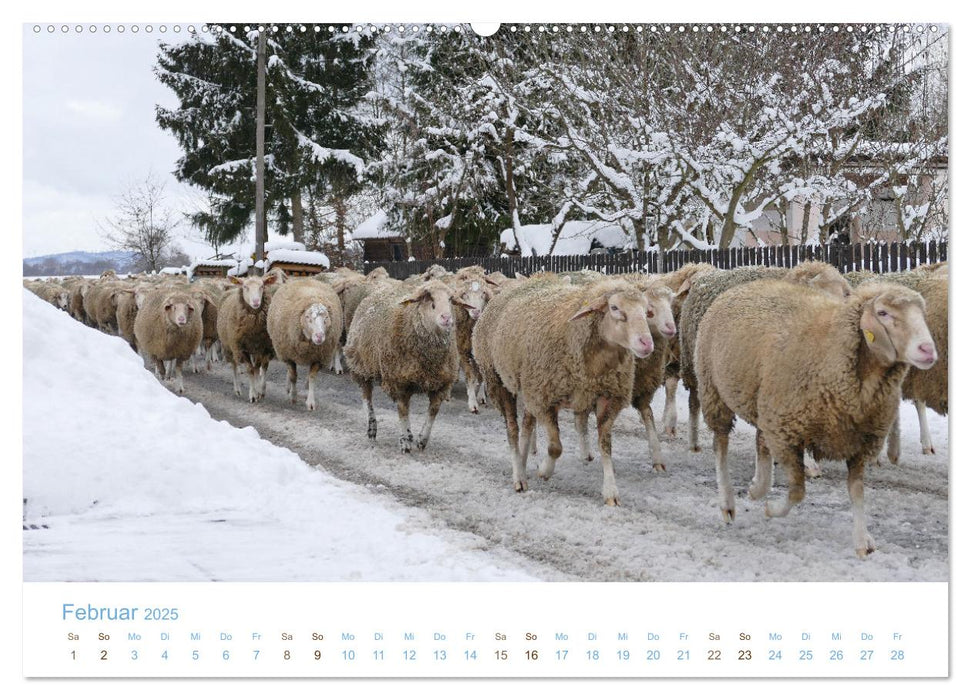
(411, 350)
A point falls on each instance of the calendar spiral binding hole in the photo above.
(528, 29)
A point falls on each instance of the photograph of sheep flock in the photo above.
(572, 302)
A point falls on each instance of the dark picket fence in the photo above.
(876, 257)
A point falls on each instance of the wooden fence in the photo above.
(876, 257)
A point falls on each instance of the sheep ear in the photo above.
(491, 281)
(459, 302)
(876, 336)
(415, 298)
(684, 288)
(235, 280)
(597, 306)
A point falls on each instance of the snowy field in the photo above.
(126, 481)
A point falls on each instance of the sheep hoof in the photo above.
(869, 547)
(612, 501)
(404, 443)
(372, 430)
(473, 409)
(814, 472)
(658, 467)
(482, 401)
(728, 515)
(671, 432)
(929, 450)
(756, 493)
(694, 448)
(311, 407)
(519, 486)
(421, 445)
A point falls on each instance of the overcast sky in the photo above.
(89, 130)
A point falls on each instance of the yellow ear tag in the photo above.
(868, 335)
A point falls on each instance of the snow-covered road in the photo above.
(668, 527)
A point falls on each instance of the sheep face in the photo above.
(314, 322)
(895, 329)
(434, 307)
(660, 314)
(251, 289)
(63, 299)
(832, 282)
(179, 309)
(624, 321)
(474, 298)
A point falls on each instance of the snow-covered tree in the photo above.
(315, 130)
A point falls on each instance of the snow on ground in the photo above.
(133, 483)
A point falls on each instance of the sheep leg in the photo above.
(507, 404)
(607, 411)
(791, 459)
(694, 407)
(893, 438)
(762, 481)
(726, 495)
(367, 389)
(179, 386)
(482, 393)
(236, 388)
(292, 381)
(670, 418)
(311, 383)
(336, 364)
(862, 541)
(261, 379)
(527, 436)
(581, 423)
(471, 388)
(925, 432)
(169, 369)
(813, 470)
(643, 405)
(555, 448)
(405, 438)
(253, 370)
(159, 369)
(434, 402)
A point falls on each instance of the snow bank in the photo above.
(576, 238)
(135, 483)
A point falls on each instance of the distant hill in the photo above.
(80, 262)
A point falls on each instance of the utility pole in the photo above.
(260, 129)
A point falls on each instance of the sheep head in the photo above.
(251, 288)
(660, 312)
(624, 312)
(473, 296)
(314, 322)
(434, 306)
(179, 309)
(895, 328)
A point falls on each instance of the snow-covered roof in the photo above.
(303, 257)
(375, 226)
(278, 244)
(575, 238)
(171, 271)
(191, 269)
(241, 268)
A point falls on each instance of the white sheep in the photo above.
(305, 324)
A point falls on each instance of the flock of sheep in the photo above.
(817, 361)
